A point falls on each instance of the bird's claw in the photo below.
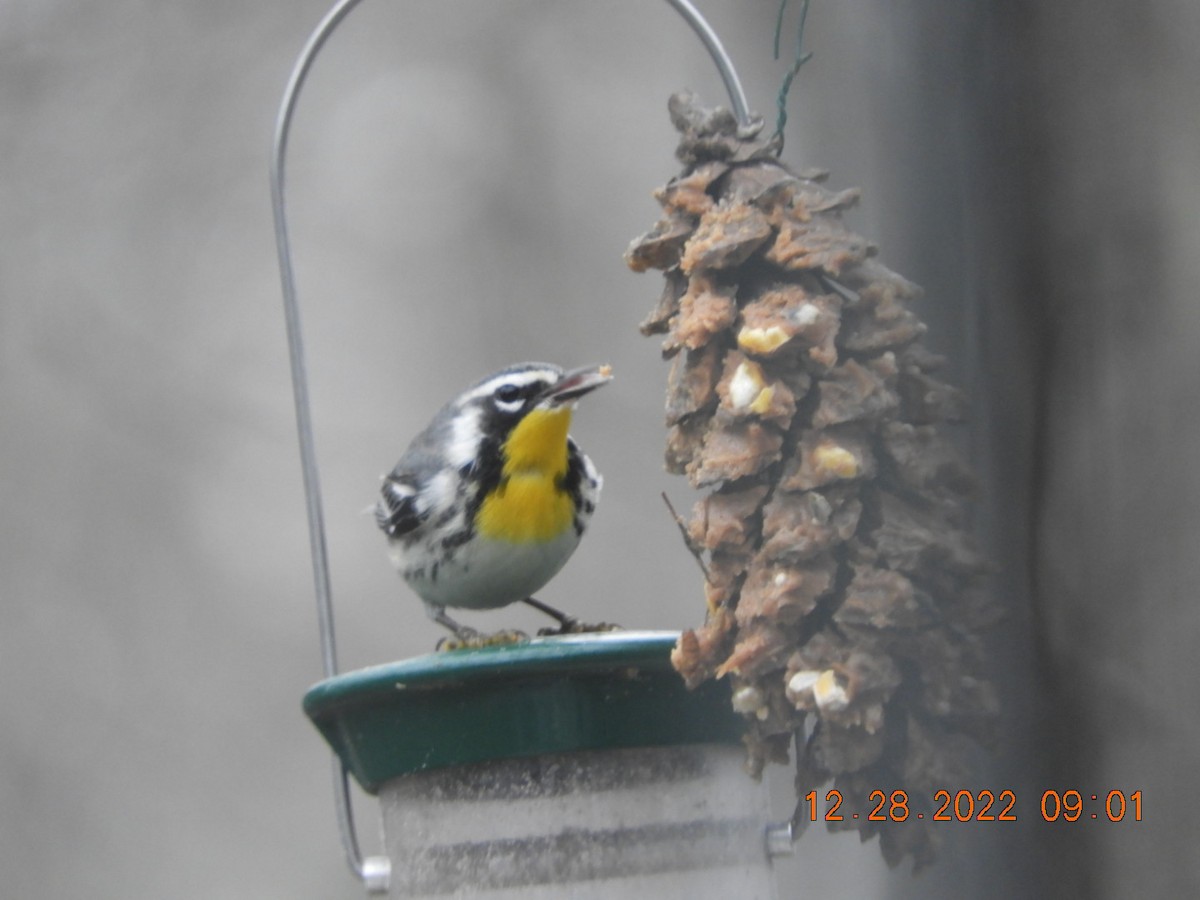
(574, 626)
(470, 639)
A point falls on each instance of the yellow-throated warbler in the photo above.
(491, 499)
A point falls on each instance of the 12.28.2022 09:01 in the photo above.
(975, 806)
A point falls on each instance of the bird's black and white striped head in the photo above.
(488, 410)
(464, 447)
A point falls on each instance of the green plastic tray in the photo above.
(551, 695)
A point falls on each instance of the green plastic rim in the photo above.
(551, 695)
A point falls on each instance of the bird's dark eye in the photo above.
(508, 393)
(509, 398)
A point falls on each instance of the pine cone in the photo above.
(841, 582)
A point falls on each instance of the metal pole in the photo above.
(373, 871)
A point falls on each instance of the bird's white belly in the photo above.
(486, 573)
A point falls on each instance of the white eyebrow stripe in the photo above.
(520, 379)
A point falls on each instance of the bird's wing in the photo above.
(398, 512)
(421, 487)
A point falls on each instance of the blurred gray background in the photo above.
(463, 180)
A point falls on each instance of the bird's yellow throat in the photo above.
(530, 505)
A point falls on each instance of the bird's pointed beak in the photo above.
(574, 384)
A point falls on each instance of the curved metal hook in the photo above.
(733, 85)
(373, 872)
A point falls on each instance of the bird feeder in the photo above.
(577, 765)
(568, 766)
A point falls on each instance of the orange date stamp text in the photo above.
(972, 806)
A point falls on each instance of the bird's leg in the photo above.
(438, 614)
(465, 637)
(566, 624)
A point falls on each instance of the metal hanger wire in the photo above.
(374, 872)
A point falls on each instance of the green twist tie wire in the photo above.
(800, 59)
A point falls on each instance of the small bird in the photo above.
(488, 503)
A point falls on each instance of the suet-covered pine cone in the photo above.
(841, 583)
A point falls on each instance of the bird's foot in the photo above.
(470, 639)
(567, 624)
(574, 626)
